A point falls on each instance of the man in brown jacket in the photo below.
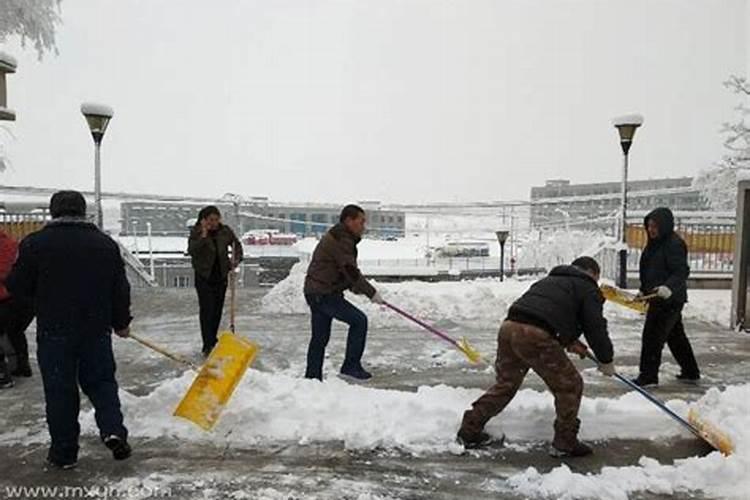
(209, 248)
(541, 325)
(332, 270)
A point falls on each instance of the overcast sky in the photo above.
(396, 100)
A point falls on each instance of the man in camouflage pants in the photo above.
(541, 325)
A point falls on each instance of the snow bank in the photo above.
(716, 475)
(485, 300)
(269, 407)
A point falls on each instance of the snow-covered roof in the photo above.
(92, 108)
(631, 119)
(8, 62)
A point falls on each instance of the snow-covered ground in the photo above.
(337, 440)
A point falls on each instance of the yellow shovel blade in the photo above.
(217, 380)
(471, 353)
(710, 433)
(624, 298)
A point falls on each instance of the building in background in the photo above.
(559, 202)
(301, 219)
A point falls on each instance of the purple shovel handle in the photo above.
(422, 324)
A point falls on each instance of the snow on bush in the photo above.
(31, 20)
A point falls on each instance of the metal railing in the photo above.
(710, 249)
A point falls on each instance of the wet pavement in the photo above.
(401, 358)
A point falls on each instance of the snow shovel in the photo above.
(700, 428)
(462, 344)
(626, 299)
(216, 380)
(219, 376)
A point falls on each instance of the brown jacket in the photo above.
(203, 251)
(333, 267)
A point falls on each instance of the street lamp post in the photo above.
(98, 117)
(135, 239)
(150, 250)
(502, 237)
(626, 126)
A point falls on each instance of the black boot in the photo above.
(578, 449)
(472, 441)
(689, 378)
(645, 382)
(23, 368)
(120, 448)
(5, 380)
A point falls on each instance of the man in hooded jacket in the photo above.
(664, 271)
(541, 325)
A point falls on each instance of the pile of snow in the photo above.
(371, 249)
(485, 300)
(716, 475)
(269, 408)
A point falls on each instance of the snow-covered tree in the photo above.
(719, 185)
(33, 21)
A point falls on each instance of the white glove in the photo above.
(663, 292)
(607, 369)
(377, 299)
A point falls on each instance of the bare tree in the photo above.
(34, 21)
(718, 185)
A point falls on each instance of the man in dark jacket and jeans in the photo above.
(547, 320)
(332, 270)
(75, 276)
(209, 247)
(664, 270)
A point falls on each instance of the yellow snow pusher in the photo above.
(217, 378)
(627, 299)
(701, 428)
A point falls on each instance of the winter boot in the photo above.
(358, 373)
(120, 448)
(5, 380)
(644, 382)
(689, 378)
(472, 441)
(23, 368)
(56, 464)
(566, 443)
(578, 449)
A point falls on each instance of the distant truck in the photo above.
(464, 249)
(268, 237)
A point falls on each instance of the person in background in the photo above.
(664, 271)
(541, 325)
(74, 275)
(332, 270)
(15, 317)
(214, 251)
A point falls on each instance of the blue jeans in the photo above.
(324, 309)
(67, 361)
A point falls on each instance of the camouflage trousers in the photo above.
(522, 347)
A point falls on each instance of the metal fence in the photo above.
(18, 226)
(710, 249)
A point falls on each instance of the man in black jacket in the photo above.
(547, 320)
(209, 247)
(664, 270)
(75, 276)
